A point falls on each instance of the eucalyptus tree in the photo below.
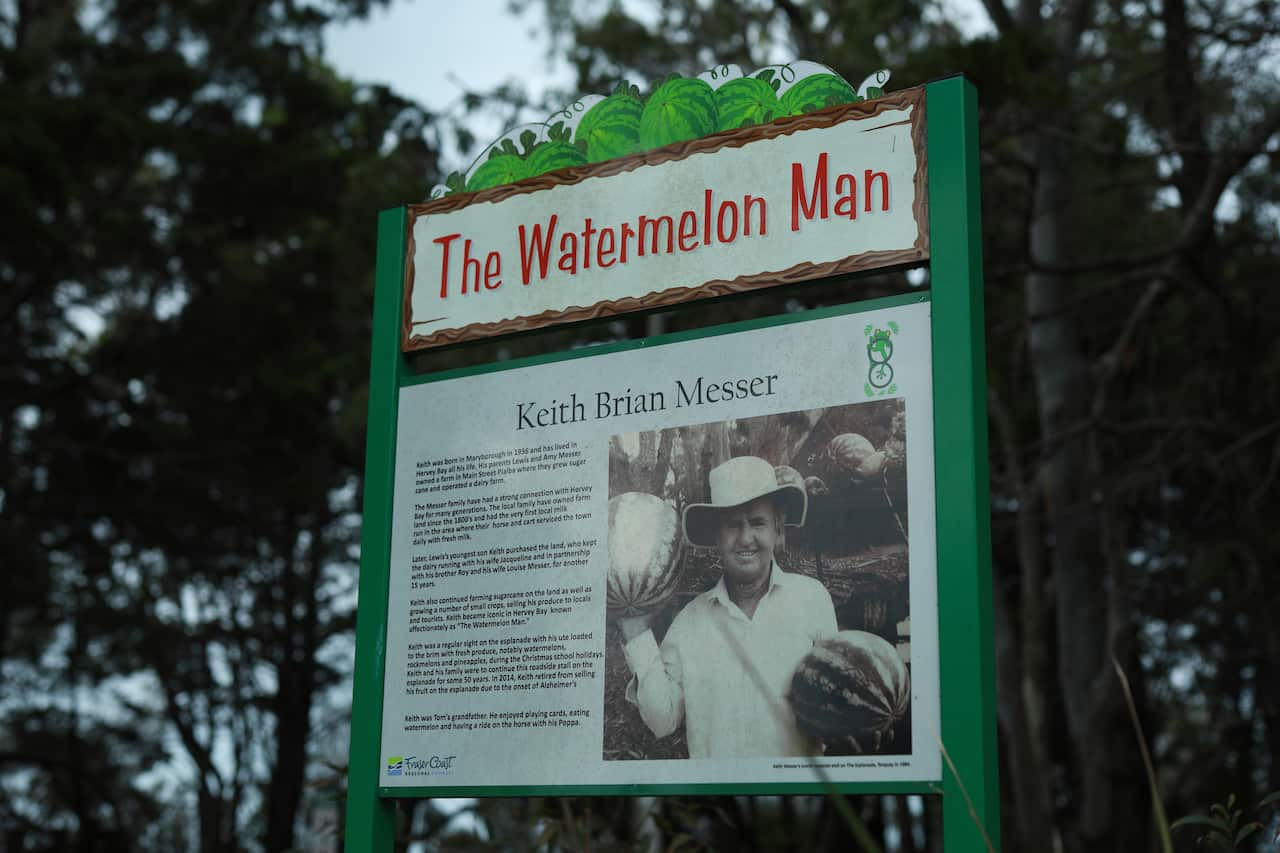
(186, 282)
(1130, 208)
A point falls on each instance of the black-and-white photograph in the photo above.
(758, 598)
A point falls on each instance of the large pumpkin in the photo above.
(851, 688)
(644, 553)
(853, 456)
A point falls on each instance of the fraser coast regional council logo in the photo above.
(411, 765)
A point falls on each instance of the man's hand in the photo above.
(633, 626)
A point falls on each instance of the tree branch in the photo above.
(999, 14)
(800, 26)
(1225, 167)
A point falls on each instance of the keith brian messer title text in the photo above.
(698, 392)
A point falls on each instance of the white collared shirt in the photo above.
(726, 676)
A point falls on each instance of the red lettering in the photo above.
(587, 231)
(569, 253)
(868, 178)
(747, 201)
(654, 226)
(444, 263)
(470, 266)
(733, 231)
(847, 204)
(627, 233)
(492, 269)
(688, 231)
(605, 248)
(706, 217)
(817, 201)
(535, 248)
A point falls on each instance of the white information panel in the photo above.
(511, 662)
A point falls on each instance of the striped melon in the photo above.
(496, 171)
(549, 156)
(644, 553)
(852, 456)
(682, 108)
(814, 93)
(611, 128)
(815, 486)
(745, 101)
(850, 690)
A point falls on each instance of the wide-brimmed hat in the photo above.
(734, 483)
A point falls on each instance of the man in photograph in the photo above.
(724, 667)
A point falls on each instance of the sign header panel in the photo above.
(837, 191)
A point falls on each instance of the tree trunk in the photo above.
(1085, 596)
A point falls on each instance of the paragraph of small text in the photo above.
(493, 665)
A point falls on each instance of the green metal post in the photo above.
(370, 826)
(971, 795)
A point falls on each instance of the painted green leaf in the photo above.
(559, 133)
(528, 139)
(682, 108)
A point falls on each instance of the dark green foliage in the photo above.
(185, 296)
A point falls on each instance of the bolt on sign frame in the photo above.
(966, 682)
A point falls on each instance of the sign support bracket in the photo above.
(970, 789)
(370, 820)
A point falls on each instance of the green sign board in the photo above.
(749, 559)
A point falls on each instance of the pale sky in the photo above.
(418, 46)
(432, 51)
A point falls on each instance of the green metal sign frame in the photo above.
(969, 786)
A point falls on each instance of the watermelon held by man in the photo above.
(644, 553)
(850, 691)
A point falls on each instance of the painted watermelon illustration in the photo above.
(745, 101)
(644, 553)
(611, 128)
(549, 156)
(682, 108)
(496, 171)
(814, 93)
(850, 690)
